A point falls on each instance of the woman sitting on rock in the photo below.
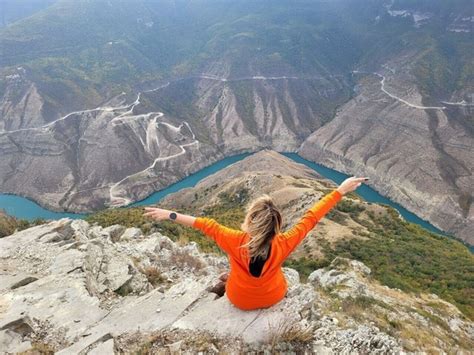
(257, 252)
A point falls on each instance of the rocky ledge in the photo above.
(70, 287)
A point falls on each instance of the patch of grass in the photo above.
(306, 266)
(39, 348)
(184, 259)
(152, 274)
(124, 290)
(300, 185)
(192, 341)
(356, 307)
(290, 332)
(127, 217)
(350, 207)
(8, 224)
(432, 318)
(394, 324)
(336, 216)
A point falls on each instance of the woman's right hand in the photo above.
(350, 184)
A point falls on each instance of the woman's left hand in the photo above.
(159, 214)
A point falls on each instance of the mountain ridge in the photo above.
(58, 85)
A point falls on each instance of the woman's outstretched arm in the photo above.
(224, 237)
(161, 214)
(296, 234)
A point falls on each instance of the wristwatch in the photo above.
(173, 216)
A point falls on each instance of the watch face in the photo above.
(173, 215)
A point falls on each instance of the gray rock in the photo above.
(131, 233)
(12, 342)
(350, 274)
(165, 243)
(105, 348)
(82, 299)
(292, 276)
(175, 348)
(115, 232)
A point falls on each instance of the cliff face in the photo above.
(124, 150)
(146, 292)
(416, 154)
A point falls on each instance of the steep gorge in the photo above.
(108, 102)
(419, 156)
(165, 134)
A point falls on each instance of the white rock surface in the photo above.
(78, 288)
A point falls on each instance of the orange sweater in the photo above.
(244, 290)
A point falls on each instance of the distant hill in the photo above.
(13, 10)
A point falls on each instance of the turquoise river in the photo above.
(21, 207)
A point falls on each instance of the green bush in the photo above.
(8, 224)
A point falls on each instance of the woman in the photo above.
(257, 252)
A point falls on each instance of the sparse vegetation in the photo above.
(405, 256)
(39, 348)
(8, 224)
(185, 259)
(388, 317)
(305, 265)
(128, 217)
(289, 332)
(401, 255)
(229, 211)
(161, 342)
(152, 274)
(349, 206)
(336, 216)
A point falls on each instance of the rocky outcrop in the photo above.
(351, 290)
(70, 287)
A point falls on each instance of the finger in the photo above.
(150, 208)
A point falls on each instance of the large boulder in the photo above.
(347, 277)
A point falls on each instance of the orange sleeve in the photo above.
(225, 237)
(291, 238)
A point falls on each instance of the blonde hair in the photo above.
(262, 222)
